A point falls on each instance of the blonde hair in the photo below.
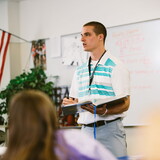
(32, 127)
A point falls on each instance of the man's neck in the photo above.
(97, 54)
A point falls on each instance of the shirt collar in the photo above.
(103, 59)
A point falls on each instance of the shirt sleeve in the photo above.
(74, 86)
(121, 80)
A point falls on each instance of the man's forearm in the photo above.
(119, 108)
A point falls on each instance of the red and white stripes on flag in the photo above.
(4, 41)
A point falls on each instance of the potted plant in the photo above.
(34, 79)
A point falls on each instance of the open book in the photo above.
(76, 108)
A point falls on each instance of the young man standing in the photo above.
(103, 76)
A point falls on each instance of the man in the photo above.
(101, 77)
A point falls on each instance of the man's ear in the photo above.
(101, 37)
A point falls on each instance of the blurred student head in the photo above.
(150, 144)
(32, 126)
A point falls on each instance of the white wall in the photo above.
(13, 18)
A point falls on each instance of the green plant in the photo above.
(34, 79)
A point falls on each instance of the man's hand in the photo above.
(99, 111)
(70, 100)
(116, 109)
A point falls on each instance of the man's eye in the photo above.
(87, 34)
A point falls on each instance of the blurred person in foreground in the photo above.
(149, 143)
(34, 133)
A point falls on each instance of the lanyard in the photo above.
(90, 82)
(94, 130)
(89, 69)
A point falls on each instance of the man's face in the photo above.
(89, 39)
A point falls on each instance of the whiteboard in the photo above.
(72, 50)
(138, 46)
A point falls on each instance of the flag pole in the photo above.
(20, 37)
(16, 36)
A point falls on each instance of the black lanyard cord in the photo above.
(89, 69)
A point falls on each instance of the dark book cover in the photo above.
(76, 108)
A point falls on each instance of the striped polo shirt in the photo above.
(111, 78)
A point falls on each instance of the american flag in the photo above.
(4, 41)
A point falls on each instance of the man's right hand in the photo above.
(70, 100)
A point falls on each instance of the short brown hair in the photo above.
(99, 28)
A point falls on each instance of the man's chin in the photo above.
(86, 50)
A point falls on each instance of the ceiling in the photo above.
(13, 0)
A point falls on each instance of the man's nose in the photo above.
(82, 38)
